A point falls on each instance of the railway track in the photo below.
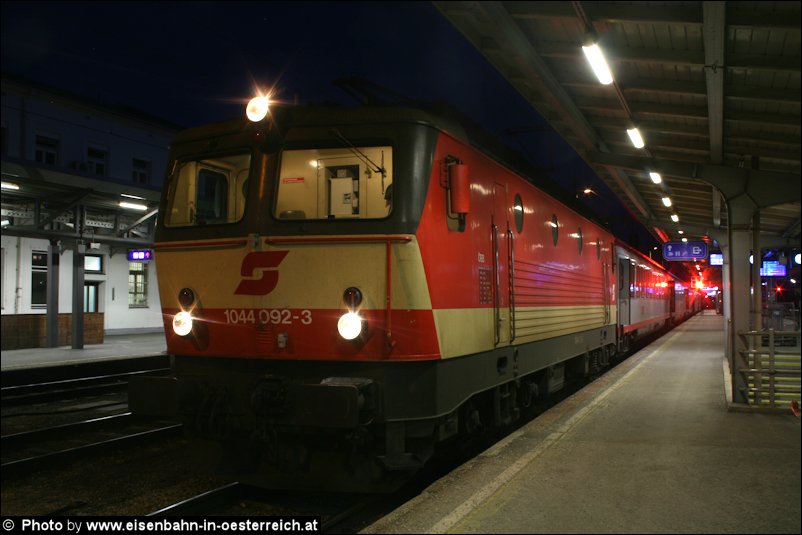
(336, 511)
(50, 391)
(29, 451)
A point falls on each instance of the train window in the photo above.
(339, 183)
(210, 191)
(579, 240)
(555, 228)
(518, 212)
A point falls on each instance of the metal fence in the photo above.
(771, 367)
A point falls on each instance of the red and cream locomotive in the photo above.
(342, 289)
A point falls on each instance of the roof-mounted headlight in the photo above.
(257, 108)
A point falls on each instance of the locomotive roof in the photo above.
(443, 118)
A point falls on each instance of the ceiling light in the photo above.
(656, 178)
(681, 231)
(133, 206)
(9, 185)
(675, 218)
(666, 201)
(597, 62)
(636, 138)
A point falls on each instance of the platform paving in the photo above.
(120, 346)
(650, 447)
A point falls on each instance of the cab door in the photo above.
(623, 291)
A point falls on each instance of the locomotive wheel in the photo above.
(528, 392)
(470, 419)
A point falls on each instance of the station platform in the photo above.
(115, 347)
(650, 447)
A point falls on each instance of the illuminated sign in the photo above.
(692, 250)
(772, 269)
(140, 255)
(716, 259)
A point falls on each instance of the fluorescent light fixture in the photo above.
(9, 185)
(636, 138)
(675, 218)
(133, 206)
(666, 201)
(597, 62)
(5, 223)
(132, 196)
(656, 178)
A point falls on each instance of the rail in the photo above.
(771, 375)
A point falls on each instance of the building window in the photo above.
(93, 263)
(47, 150)
(97, 161)
(141, 171)
(39, 279)
(137, 284)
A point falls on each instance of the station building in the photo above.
(81, 182)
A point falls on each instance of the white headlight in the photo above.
(182, 323)
(349, 325)
(257, 109)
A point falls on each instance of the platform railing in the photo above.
(771, 374)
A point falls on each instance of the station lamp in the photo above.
(636, 138)
(595, 57)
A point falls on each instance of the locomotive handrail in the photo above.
(511, 250)
(606, 294)
(324, 239)
(199, 243)
(497, 288)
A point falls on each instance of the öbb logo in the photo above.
(252, 264)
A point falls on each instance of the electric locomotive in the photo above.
(343, 289)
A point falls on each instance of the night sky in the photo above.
(195, 62)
